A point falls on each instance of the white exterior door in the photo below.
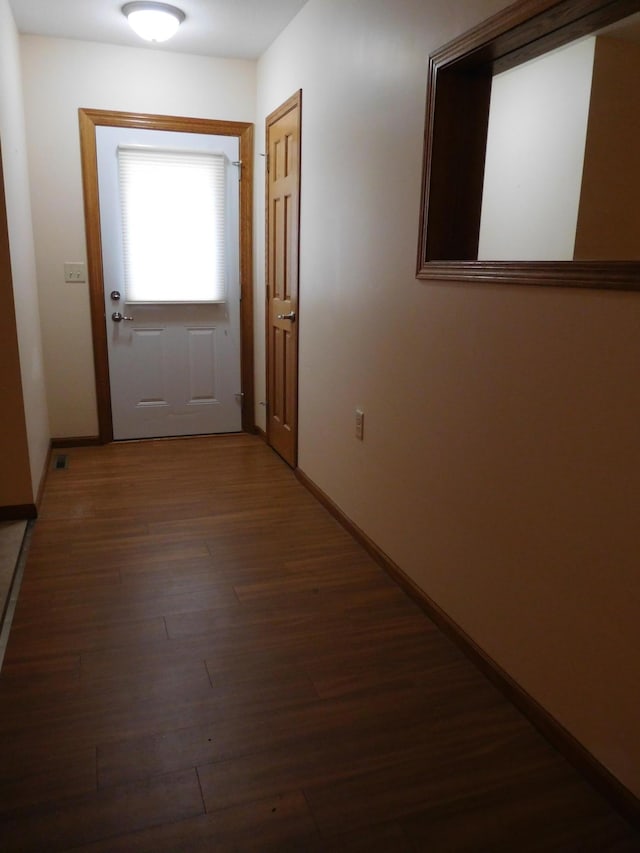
(174, 367)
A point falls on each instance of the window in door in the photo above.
(173, 224)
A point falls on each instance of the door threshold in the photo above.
(179, 437)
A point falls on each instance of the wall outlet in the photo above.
(359, 424)
(75, 272)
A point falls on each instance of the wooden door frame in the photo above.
(90, 119)
(295, 101)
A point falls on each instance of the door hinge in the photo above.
(238, 163)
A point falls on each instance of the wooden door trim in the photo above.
(294, 102)
(89, 120)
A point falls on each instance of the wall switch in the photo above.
(75, 272)
(359, 424)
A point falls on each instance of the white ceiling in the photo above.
(229, 28)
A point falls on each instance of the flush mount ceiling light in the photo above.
(153, 21)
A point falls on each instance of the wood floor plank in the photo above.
(34, 670)
(83, 583)
(280, 824)
(462, 773)
(91, 713)
(101, 698)
(233, 645)
(228, 733)
(47, 780)
(333, 756)
(64, 535)
(565, 813)
(132, 600)
(382, 838)
(290, 581)
(103, 815)
(24, 641)
(153, 551)
(355, 674)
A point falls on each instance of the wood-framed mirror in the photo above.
(456, 157)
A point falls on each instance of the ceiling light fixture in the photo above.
(153, 21)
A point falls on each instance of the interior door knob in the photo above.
(290, 316)
(117, 317)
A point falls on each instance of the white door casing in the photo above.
(174, 368)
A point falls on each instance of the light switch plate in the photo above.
(75, 272)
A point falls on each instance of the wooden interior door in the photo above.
(283, 230)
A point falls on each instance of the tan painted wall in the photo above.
(609, 217)
(24, 410)
(60, 76)
(501, 463)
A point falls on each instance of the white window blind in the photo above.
(173, 224)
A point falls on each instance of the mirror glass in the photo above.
(562, 171)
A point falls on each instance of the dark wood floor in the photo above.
(202, 659)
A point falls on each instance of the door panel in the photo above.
(174, 369)
(283, 228)
(149, 381)
(202, 365)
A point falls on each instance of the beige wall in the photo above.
(60, 76)
(24, 435)
(501, 464)
(535, 154)
(609, 218)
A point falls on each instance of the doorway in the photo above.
(100, 289)
(283, 128)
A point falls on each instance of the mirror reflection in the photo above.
(562, 172)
